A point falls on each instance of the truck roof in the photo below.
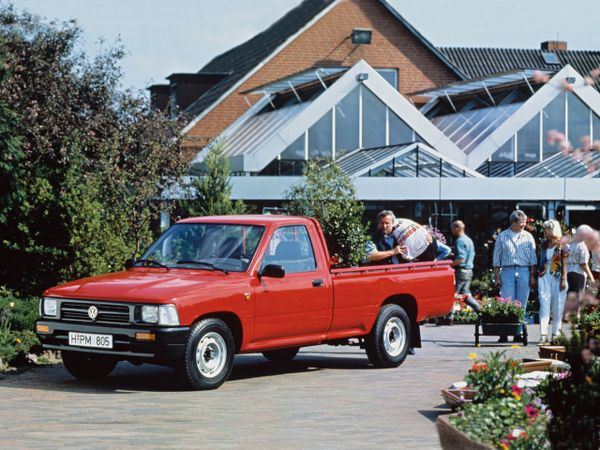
(248, 219)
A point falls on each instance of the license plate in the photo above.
(90, 340)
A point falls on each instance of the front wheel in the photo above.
(209, 353)
(389, 341)
(88, 366)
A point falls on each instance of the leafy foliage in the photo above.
(85, 163)
(328, 194)
(17, 318)
(211, 194)
(505, 423)
(502, 308)
(575, 398)
(493, 377)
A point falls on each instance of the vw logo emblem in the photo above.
(92, 312)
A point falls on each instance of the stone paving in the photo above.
(329, 397)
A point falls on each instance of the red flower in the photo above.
(532, 411)
(517, 392)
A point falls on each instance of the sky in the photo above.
(163, 37)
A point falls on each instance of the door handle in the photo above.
(318, 283)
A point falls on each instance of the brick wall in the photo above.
(328, 42)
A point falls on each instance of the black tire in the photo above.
(209, 352)
(88, 366)
(389, 341)
(281, 356)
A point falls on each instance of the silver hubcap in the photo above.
(394, 336)
(211, 354)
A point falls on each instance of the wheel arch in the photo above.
(233, 322)
(409, 304)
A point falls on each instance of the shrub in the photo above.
(211, 193)
(574, 399)
(22, 312)
(16, 328)
(328, 195)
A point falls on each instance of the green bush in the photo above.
(328, 195)
(22, 312)
(17, 318)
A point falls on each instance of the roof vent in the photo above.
(550, 58)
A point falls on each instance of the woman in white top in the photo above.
(552, 282)
(578, 269)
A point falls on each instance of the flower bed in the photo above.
(557, 411)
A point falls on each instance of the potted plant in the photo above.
(501, 415)
(501, 316)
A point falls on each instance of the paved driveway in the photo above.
(329, 397)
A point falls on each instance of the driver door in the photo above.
(298, 305)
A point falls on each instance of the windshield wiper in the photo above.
(204, 263)
(151, 262)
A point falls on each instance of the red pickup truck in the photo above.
(211, 287)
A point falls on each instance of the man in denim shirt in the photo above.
(463, 259)
(514, 253)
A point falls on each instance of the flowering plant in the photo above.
(506, 423)
(574, 398)
(503, 307)
(493, 377)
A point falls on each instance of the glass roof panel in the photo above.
(563, 166)
(482, 83)
(299, 79)
(249, 136)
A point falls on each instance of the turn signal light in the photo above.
(42, 328)
(145, 336)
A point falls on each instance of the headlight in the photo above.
(150, 314)
(163, 314)
(49, 306)
(167, 315)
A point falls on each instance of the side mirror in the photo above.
(129, 263)
(272, 271)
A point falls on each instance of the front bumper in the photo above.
(169, 343)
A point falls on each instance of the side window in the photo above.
(290, 247)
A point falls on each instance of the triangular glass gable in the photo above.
(566, 114)
(340, 128)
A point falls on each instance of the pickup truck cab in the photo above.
(211, 287)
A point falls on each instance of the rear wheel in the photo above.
(88, 366)
(283, 355)
(209, 353)
(389, 341)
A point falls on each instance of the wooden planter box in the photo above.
(552, 352)
(533, 365)
(451, 438)
(457, 397)
(500, 326)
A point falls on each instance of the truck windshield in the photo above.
(205, 246)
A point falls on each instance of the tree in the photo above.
(87, 162)
(328, 194)
(211, 193)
